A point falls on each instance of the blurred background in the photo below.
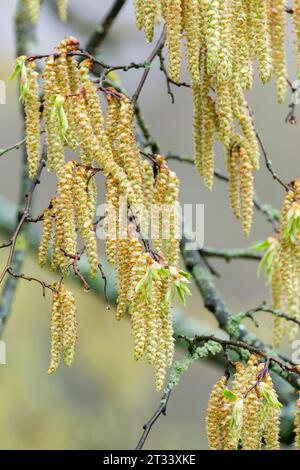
(104, 399)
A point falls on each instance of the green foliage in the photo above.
(20, 69)
(59, 112)
(266, 264)
(178, 281)
(292, 229)
(236, 422)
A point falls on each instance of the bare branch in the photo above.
(159, 45)
(102, 30)
(161, 410)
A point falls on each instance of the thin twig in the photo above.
(161, 410)
(159, 45)
(30, 278)
(102, 30)
(230, 254)
(169, 80)
(277, 313)
(12, 147)
(28, 201)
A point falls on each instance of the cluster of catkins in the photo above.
(223, 39)
(34, 7)
(71, 113)
(145, 280)
(281, 262)
(247, 416)
(63, 326)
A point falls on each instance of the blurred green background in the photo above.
(105, 398)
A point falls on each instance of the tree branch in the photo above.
(159, 45)
(230, 254)
(102, 30)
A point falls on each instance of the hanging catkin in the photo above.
(32, 112)
(296, 21)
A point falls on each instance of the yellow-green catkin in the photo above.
(64, 68)
(166, 322)
(46, 236)
(278, 323)
(297, 425)
(111, 221)
(209, 130)
(55, 145)
(171, 229)
(83, 217)
(233, 167)
(212, 33)
(172, 13)
(242, 114)
(239, 379)
(124, 271)
(147, 183)
(272, 421)
(224, 112)
(296, 21)
(247, 190)
(56, 329)
(224, 65)
(90, 148)
(34, 7)
(128, 151)
(63, 327)
(139, 13)
(259, 19)
(160, 359)
(198, 128)
(58, 259)
(32, 112)
(66, 197)
(94, 107)
(191, 21)
(69, 326)
(241, 46)
(214, 417)
(137, 304)
(160, 191)
(277, 34)
(288, 260)
(62, 8)
(252, 421)
(92, 196)
(199, 98)
(150, 11)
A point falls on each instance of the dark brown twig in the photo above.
(161, 410)
(159, 45)
(30, 279)
(102, 30)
